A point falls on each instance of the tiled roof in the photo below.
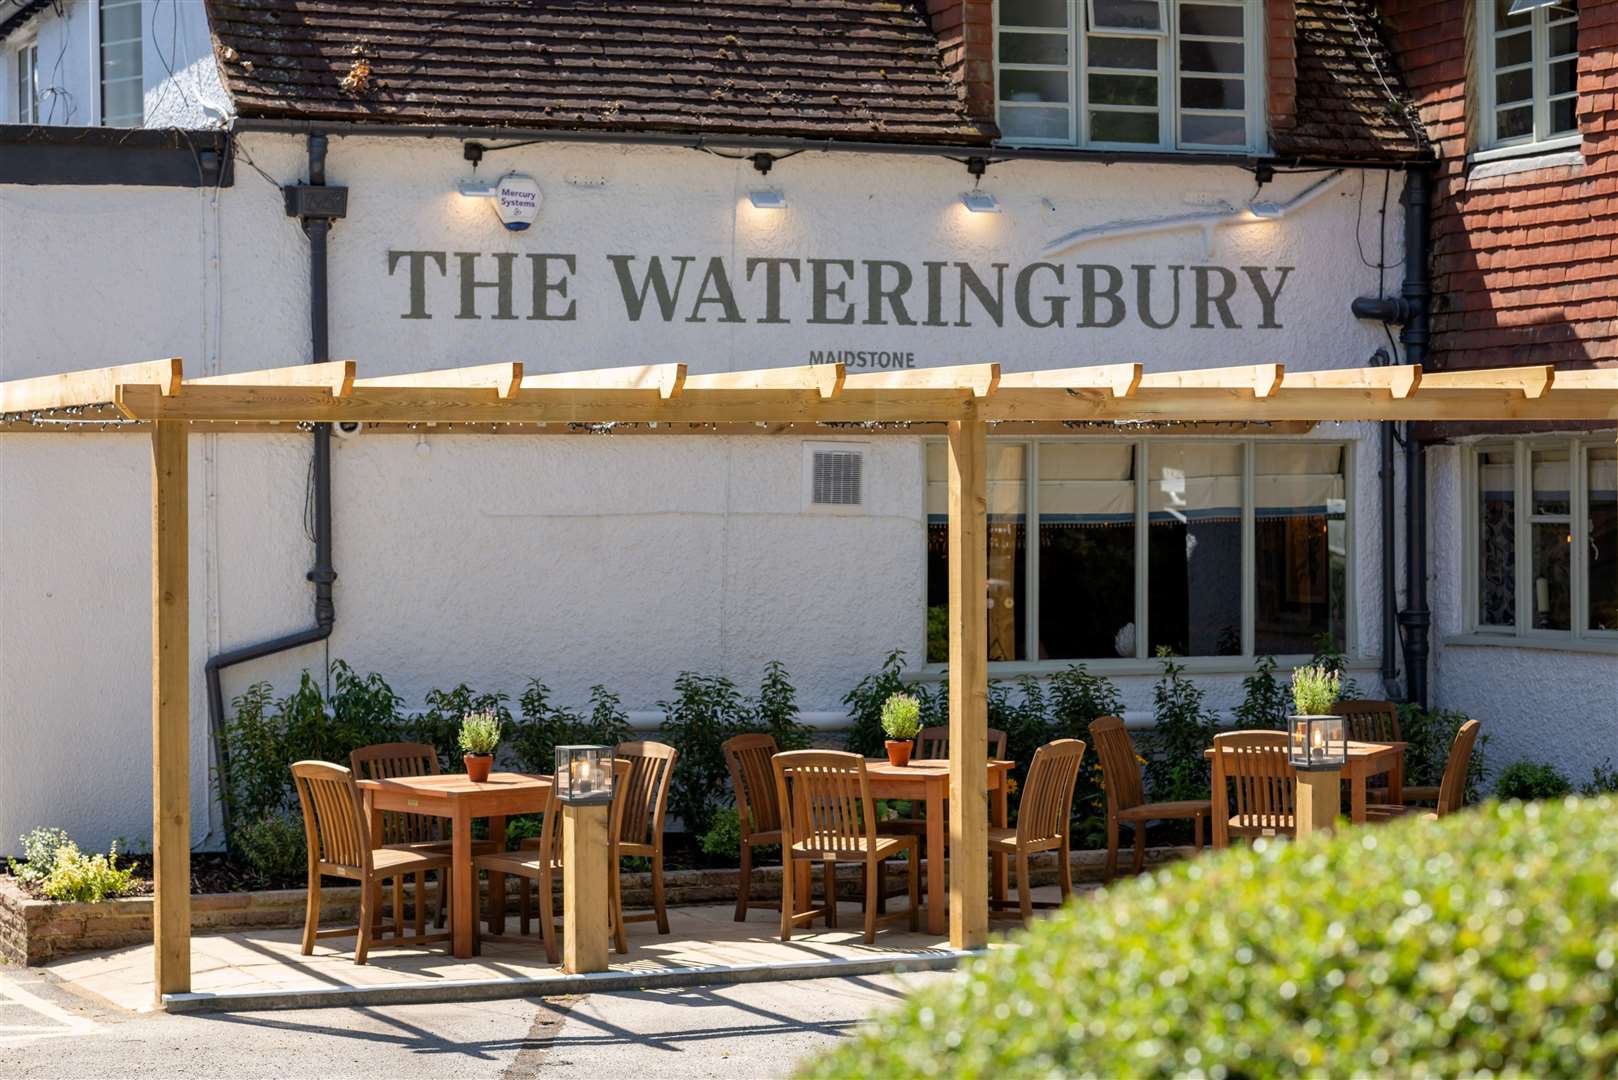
(844, 69)
(1351, 102)
(13, 13)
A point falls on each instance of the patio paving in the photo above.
(264, 969)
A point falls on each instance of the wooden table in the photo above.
(927, 781)
(1365, 760)
(454, 796)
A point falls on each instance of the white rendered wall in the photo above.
(619, 560)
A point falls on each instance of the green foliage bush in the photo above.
(545, 726)
(86, 879)
(1265, 700)
(440, 724)
(1175, 767)
(864, 704)
(1532, 780)
(274, 847)
(1428, 735)
(39, 848)
(724, 835)
(1483, 944)
(1603, 780)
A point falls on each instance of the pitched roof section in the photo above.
(1352, 104)
(843, 69)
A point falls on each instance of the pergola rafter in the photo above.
(966, 400)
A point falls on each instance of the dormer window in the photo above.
(1130, 74)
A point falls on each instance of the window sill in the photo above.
(1592, 645)
(1508, 160)
(1365, 667)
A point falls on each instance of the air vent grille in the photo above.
(837, 475)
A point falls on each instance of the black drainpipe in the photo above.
(316, 206)
(1410, 309)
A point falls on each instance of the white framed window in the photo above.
(1528, 53)
(1130, 74)
(1542, 539)
(26, 60)
(1104, 549)
(122, 86)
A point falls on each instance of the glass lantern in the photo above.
(1317, 743)
(583, 775)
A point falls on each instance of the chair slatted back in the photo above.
(1256, 763)
(646, 791)
(752, 776)
(385, 761)
(334, 822)
(1369, 721)
(1452, 787)
(827, 795)
(932, 743)
(622, 770)
(1047, 797)
(1120, 770)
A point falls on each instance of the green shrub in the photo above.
(705, 711)
(1483, 944)
(479, 735)
(274, 847)
(1329, 656)
(775, 710)
(901, 717)
(1532, 780)
(544, 726)
(1076, 699)
(1264, 699)
(1427, 736)
(86, 879)
(39, 848)
(864, 705)
(1603, 780)
(440, 724)
(724, 835)
(1175, 767)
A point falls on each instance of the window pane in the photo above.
(1513, 49)
(1116, 52)
(1497, 539)
(1086, 551)
(1218, 56)
(1514, 86)
(1034, 123)
(1194, 565)
(1033, 12)
(1300, 547)
(120, 61)
(1564, 38)
(1123, 127)
(1551, 482)
(1127, 14)
(1008, 564)
(1553, 593)
(1564, 79)
(1213, 94)
(1210, 19)
(1564, 117)
(1033, 48)
(1513, 123)
(1213, 130)
(1601, 582)
(1033, 85)
(122, 104)
(1123, 90)
(120, 21)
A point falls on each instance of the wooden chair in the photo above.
(1451, 789)
(1044, 817)
(758, 811)
(428, 833)
(1126, 801)
(932, 743)
(338, 833)
(828, 817)
(1256, 763)
(1378, 721)
(539, 863)
(646, 798)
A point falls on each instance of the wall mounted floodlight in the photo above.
(980, 202)
(767, 199)
(516, 198)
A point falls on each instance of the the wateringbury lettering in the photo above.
(847, 292)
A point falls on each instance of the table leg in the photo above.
(1396, 781)
(1356, 796)
(999, 812)
(497, 882)
(464, 904)
(1221, 806)
(937, 894)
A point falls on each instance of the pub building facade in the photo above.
(1037, 183)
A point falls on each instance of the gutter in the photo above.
(316, 206)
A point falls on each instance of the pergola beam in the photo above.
(824, 379)
(93, 386)
(336, 376)
(1401, 380)
(667, 379)
(1119, 379)
(503, 379)
(978, 379)
(1532, 382)
(1261, 379)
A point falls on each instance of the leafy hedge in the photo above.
(1484, 943)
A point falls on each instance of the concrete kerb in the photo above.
(561, 985)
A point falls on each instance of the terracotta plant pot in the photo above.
(899, 751)
(478, 766)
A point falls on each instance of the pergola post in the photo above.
(171, 711)
(968, 685)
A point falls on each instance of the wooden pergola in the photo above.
(966, 400)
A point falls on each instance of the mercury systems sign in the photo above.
(840, 292)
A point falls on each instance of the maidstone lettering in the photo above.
(846, 292)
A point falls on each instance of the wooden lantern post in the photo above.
(584, 887)
(1319, 801)
(171, 751)
(968, 686)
